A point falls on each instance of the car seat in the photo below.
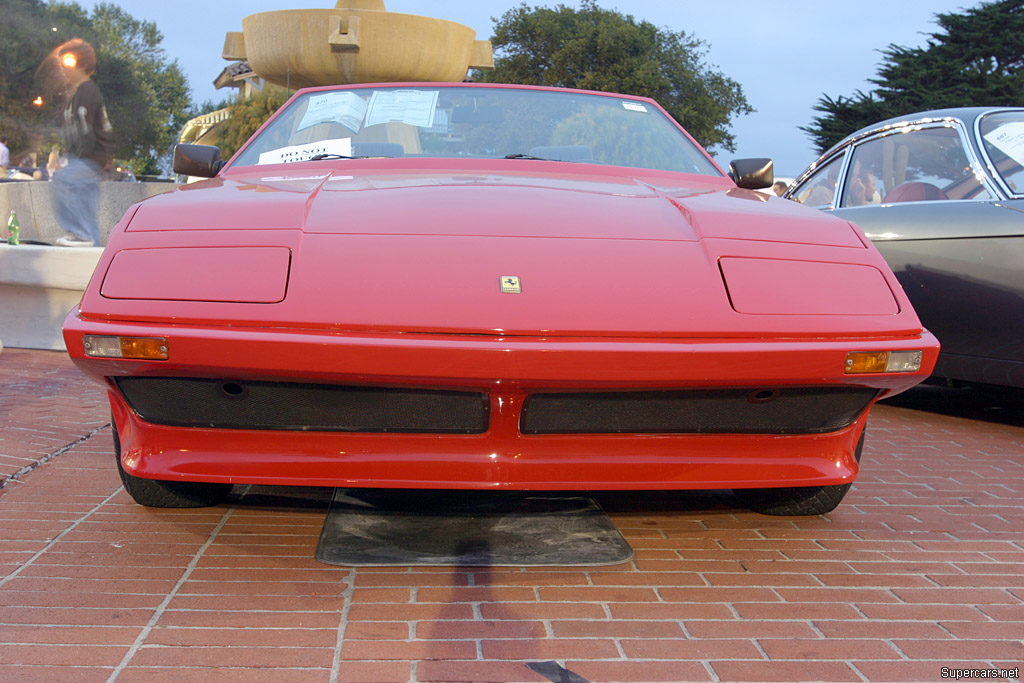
(914, 192)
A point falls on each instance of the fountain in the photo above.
(358, 41)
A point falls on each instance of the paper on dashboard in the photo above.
(414, 107)
(1009, 139)
(291, 154)
(345, 108)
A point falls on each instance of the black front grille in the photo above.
(779, 410)
(235, 404)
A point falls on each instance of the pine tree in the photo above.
(975, 59)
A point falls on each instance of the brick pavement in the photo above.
(920, 568)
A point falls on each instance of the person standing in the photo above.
(88, 142)
(5, 155)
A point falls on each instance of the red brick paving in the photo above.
(920, 568)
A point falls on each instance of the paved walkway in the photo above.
(921, 568)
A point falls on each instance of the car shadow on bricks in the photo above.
(1000, 405)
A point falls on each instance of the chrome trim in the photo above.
(844, 167)
(815, 165)
(994, 188)
(965, 140)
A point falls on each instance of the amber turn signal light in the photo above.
(858, 362)
(142, 348)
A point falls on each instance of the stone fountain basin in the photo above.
(310, 47)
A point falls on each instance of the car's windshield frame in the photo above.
(464, 121)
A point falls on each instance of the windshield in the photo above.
(476, 122)
(1003, 137)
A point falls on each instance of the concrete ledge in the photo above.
(38, 286)
(37, 209)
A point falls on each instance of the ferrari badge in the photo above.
(510, 285)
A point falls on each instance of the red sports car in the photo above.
(489, 287)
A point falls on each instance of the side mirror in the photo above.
(752, 174)
(202, 161)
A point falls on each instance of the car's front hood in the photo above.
(488, 253)
(486, 203)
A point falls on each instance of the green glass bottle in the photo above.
(13, 229)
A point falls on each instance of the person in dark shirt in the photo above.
(88, 143)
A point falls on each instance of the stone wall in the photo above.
(40, 284)
(37, 212)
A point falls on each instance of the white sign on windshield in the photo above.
(293, 153)
(415, 107)
(345, 108)
(1009, 139)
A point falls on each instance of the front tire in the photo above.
(799, 500)
(157, 493)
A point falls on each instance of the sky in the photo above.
(784, 55)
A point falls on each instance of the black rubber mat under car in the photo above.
(400, 527)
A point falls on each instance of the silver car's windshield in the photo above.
(475, 122)
(1002, 134)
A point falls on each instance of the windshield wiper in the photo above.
(527, 156)
(531, 157)
(321, 157)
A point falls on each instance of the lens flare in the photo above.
(69, 61)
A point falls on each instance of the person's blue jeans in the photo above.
(77, 188)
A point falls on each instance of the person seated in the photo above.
(822, 192)
(862, 190)
(53, 163)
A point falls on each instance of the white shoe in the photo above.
(70, 240)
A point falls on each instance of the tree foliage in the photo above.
(598, 49)
(246, 117)
(146, 94)
(148, 122)
(975, 59)
(25, 39)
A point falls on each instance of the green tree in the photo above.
(146, 95)
(246, 117)
(26, 36)
(598, 49)
(975, 58)
(210, 106)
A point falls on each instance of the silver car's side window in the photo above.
(919, 164)
(864, 184)
(819, 189)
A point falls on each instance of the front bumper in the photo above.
(507, 371)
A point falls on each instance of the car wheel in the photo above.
(157, 493)
(798, 500)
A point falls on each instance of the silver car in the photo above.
(941, 194)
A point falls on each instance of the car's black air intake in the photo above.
(235, 404)
(779, 410)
